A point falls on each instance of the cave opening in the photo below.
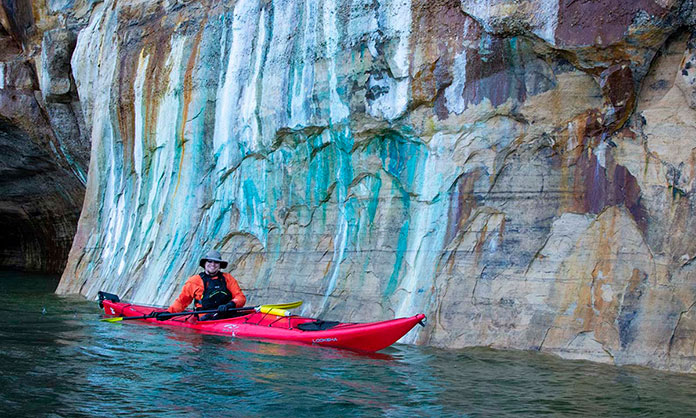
(40, 203)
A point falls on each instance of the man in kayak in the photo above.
(210, 289)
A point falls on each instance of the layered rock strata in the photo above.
(520, 171)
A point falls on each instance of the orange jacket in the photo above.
(193, 289)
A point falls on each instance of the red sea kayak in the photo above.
(366, 337)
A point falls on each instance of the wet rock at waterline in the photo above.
(522, 172)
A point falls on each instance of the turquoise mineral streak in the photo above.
(374, 200)
(401, 248)
(402, 158)
(252, 205)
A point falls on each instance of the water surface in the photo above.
(58, 359)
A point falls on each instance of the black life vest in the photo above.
(215, 292)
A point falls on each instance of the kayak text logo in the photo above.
(231, 328)
(324, 340)
(113, 312)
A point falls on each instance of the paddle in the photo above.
(275, 309)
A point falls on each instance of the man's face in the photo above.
(212, 267)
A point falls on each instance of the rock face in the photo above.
(520, 171)
(44, 152)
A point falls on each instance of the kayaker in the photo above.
(210, 289)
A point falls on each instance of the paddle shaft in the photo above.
(275, 309)
(166, 315)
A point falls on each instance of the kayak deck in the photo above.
(367, 337)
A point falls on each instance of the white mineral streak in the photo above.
(546, 20)
(423, 250)
(363, 21)
(108, 209)
(303, 71)
(394, 19)
(607, 292)
(94, 61)
(118, 228)
(139, 125)
(247, 130)
(454, 94)
(340, 242)
(277, 68)
(338, 111)
(238, 83)
(540, 15)
(426, 235)
(601, 153)
(391, 104)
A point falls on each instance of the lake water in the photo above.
(58, 359)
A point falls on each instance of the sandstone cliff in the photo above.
(520, 171)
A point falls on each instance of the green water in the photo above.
(58, 359)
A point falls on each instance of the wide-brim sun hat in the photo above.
(213, 256)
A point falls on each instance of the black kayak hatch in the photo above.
(317, 325)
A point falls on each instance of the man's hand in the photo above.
(226, 307)
(160, 316)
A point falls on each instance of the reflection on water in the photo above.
(65, 362)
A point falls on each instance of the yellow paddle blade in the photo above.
(114, 319)
(283, 305)
(273, 311)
